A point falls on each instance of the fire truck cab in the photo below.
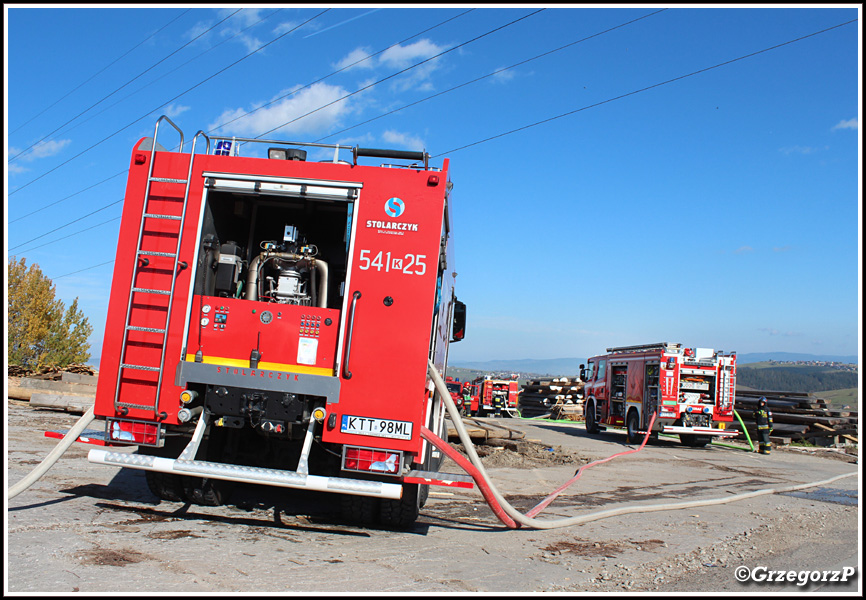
(257, 304)
(691, 391)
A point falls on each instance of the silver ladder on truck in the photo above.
(142, 260)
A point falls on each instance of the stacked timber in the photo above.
(797, 416)
(71, 391)
(556, 398)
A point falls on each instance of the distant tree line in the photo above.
(796, 379)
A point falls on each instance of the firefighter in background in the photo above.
(467, 401)
(764, 421)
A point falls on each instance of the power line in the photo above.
(82, 270)
(366, 87)
(349, 66)
(126, 84)
(543, 121)
(491, 74)
(139, 89)
(55, 240)
(67, 224)
(260, 48)
(212, 48)
(645, 89)
(102, 70)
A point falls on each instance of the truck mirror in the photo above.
(459, 328)
(582, 375)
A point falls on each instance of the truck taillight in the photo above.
(133, 432)
(371, 460)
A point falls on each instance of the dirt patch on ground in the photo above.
(111, 558)
(523, 454)
(595, 548)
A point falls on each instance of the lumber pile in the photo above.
(72, 391)
(797, 416)
(556, 398)
(481, 431)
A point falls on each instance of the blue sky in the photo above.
(669, 179)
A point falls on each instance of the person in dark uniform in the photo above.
(764, 421)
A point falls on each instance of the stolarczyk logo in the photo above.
(394, 207)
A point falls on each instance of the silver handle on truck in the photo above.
(347, 374)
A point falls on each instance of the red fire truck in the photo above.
(690, 389)
(496, 396)
(256, 304)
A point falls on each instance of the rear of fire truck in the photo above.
(257, 304)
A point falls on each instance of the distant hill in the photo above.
(571, 366)
(754, 357)
(548, 366)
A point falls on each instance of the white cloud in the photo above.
(288, 109)
(409, 142)
(356, 55)
(40, 150)
(801, 150)
(403, 57)
(743, 250)
(849, 124)
(503, 76)
(173, 110)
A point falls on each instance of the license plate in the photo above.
(386, 428)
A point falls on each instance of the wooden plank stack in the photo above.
(72, 391)
(797, 416)
(555, 398)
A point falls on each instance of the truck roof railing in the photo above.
(667, 347)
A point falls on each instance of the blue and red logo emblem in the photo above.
(394, 207)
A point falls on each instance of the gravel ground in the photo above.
(92, 529)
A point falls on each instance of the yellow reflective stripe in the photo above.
(266, 366)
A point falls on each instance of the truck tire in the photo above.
(632, 424)
(591, 417)
(206, 492)
(359, 510)
(694, 441)
(165, 486)
(402, 513)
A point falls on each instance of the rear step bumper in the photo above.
(275, 477)
(700, 431)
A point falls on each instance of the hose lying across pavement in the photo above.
(53, 456)
(516, 518)
(503, 510)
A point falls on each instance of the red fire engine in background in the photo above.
(496, 396)
(690, 389)
(256, 303)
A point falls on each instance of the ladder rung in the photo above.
(139, 367)
(151, 329)
(146, 291)
(156, 216)
(152, 253)
(139, 406)
(167, 180)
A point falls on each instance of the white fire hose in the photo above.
(53, 456)
(522, 519)
(518, 517)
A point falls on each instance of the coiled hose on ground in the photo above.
(516, 518)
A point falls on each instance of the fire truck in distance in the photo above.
(496, 396)
(256, 303)
(690, 389)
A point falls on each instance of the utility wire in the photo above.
(82, 270)
(138, 90)
(366, 87)
(69, 236)
(681, 77)
(491, 74)
(102, 70)
(260, 48)
(366, 58)
(126, 84)
(67, 224)
(212, 48)
(663, 83)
